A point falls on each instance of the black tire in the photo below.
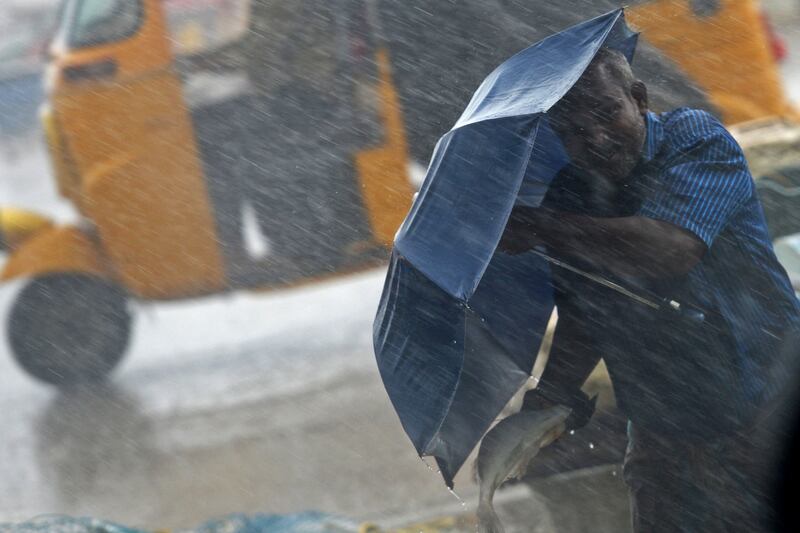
(66, 329)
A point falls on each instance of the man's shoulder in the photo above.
(688, 123)
(685, 128)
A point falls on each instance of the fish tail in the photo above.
(488, 521)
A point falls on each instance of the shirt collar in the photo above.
(654, 136)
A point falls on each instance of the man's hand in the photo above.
(581, 405)
(522, 233)
(515, 241)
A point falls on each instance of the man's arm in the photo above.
(573, 356)
(634, 246)
(700, 187)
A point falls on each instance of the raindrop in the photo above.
(457, 497)
(591, 446)
(421, 458)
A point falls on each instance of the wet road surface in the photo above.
(252, 403)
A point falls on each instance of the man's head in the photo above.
(601, 119)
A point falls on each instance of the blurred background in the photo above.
(197, 198)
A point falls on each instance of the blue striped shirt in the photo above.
(670, 375)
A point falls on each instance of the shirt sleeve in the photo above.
(702, 186)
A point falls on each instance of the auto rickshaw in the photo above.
(166, 121)
(160, 145)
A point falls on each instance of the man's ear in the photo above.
(639, 93)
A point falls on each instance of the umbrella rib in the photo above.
(607, 31)
(398, 245)
(453, 395)
(427, 277)
(599, 280)
(533, 115)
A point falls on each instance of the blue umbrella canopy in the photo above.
(459, 324)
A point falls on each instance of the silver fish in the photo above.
(506, 451)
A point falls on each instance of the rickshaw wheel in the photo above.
(66, 329)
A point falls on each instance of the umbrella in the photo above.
(459, 325)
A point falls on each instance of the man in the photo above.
(664, 205)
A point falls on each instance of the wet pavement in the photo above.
(251, 403)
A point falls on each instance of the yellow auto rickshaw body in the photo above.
(723, 46)
(64, 249)
(123, 148)
(128, 149)
(18, 225)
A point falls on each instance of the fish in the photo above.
(507, 449)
